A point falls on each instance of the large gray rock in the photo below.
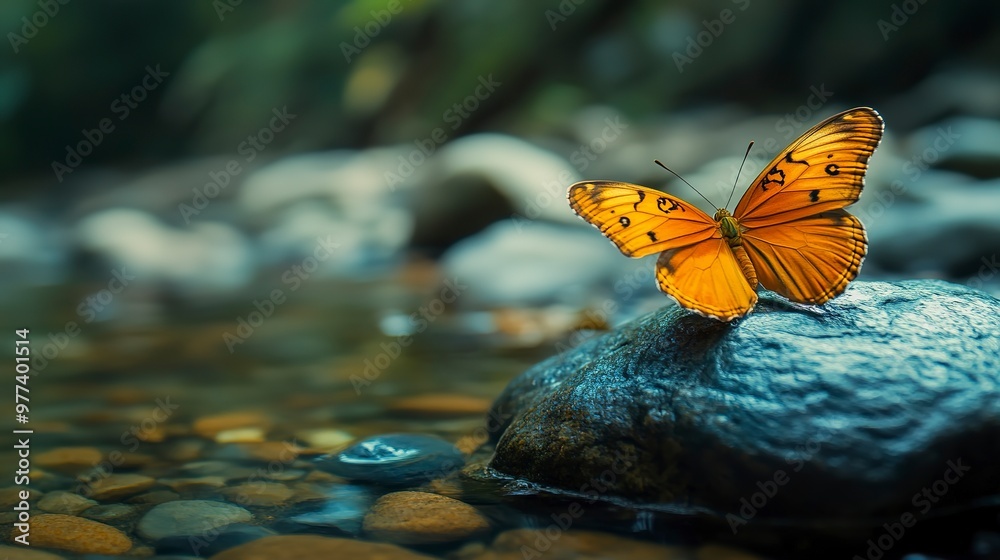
(850, 410)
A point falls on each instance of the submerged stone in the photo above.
(343, 510)
(189, 517)
(885, 401)
(394, 459)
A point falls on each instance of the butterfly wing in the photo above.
(639, 220)
(809, 260)
(707, 278)
(696, 267)
(823, 170)
(802, 244)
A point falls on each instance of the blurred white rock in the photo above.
(30, 252)
(340, 195)
(529, 263)
(958, 142)
(532, 179)
(205, 256)
(943, 224)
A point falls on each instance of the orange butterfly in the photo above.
(789, 232)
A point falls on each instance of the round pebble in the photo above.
(189, 517)
(109, 513)
(240, 435)
(196, 483)
(69, 459)
(11, 495)
(285, 475)
(440, 405)
(228, 469)
(278, 451)
(343, 508)
(183, 451)
(294, 547)
(156, 497)
(394, 459)
(76, 534)
(422, 518)
(64, 502)
(306, 492)
(321, 476)
(133, 460)
(258, 494)
(210, 426)
(117, 486)
(20, 552)
(324, 439)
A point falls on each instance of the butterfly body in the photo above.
(789, 231)
(729, 227)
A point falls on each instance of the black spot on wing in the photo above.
(635, 206)
(814, 195)
(790, 159)
(661, 203)
(624, 221)
(832, 169)
(652, 236)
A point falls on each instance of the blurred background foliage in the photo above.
(230, 64)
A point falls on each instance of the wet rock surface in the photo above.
(852, 410)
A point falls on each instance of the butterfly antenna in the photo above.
(732, 192)
(657, 162)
